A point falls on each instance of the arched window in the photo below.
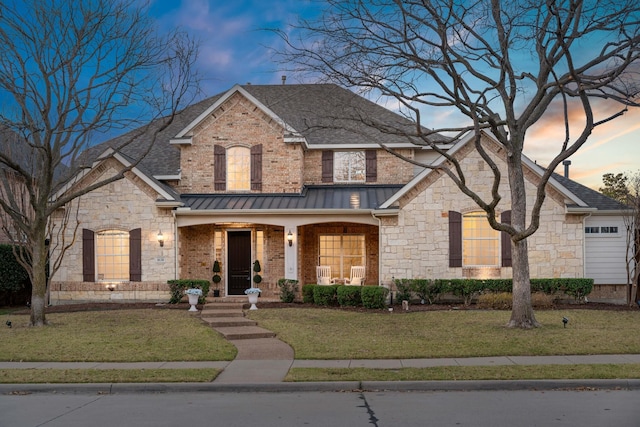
(238, 169)
(480, 242)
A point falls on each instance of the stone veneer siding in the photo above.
(415, 244)
(125, 205)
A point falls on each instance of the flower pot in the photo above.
(253, 299)
(193, 300)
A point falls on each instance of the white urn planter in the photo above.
(193, 300)
(193, 295)
(253, 294)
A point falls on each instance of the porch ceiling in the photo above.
(313, 197)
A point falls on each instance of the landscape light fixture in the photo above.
(290, 238)
(111, 287)
(160, 238)
(8, 323)
(565, 320)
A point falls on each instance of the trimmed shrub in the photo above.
(177, 288)
(425, 289)
(467, 289)
(349, 296)
(541, 300)
(325, 295)
(13, 277)
(577, 288)
(403, 289)
(288, 289)
(495, 301)
(307, 293)
(374, 296)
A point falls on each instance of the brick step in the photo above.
(245, 332)
(218, 322)
(208, 314)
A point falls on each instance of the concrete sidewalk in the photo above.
(263, 364)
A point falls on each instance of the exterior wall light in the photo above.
(160, 238)
(290, 238)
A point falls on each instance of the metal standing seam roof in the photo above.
(319, 197)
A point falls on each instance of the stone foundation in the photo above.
(83, 292)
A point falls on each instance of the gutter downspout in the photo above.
(584, 245)
(175, 245)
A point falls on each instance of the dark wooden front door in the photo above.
(239, 261)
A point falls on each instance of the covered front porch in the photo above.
(237, 246)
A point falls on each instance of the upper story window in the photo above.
(238, 169)
(480, 242)
(349, 166)
(112, 255)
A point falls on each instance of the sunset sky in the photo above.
(236, 47)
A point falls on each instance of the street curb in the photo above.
(342, 386)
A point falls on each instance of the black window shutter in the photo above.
(135, 255)
(220, 168)
(88, 256)
(505, 240)
(327, 166)
(371, 165)
(455, 239)
(256, 167)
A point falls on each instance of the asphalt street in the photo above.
(577, 407)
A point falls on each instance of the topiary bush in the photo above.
(177, 288)
(325, 295)
(288, 289)
(374, 296)
(349, 296)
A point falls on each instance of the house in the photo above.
(290, 176)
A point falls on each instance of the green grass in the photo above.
(337, 334)
(55, 376)
(113, 336)
(461, 373)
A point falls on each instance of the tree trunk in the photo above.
(39, 279)
(522, 312)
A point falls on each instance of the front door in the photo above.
(239, 251)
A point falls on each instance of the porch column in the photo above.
(291, 252)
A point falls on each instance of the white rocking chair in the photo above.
(357, 276)
(323, 275)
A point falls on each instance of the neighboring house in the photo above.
(288, 176)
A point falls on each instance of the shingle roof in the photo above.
(591, 197)
(323, 113)
(313, 197)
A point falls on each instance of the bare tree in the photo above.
(502, 65)
(632, 228)
(69, 72)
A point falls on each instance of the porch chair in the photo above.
(323, 275)
(357, 276)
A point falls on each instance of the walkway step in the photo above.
(218, 322)
(245, 332)
(223, 306)
(220, 313)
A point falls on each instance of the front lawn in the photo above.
(338, 334)
(145, 335)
